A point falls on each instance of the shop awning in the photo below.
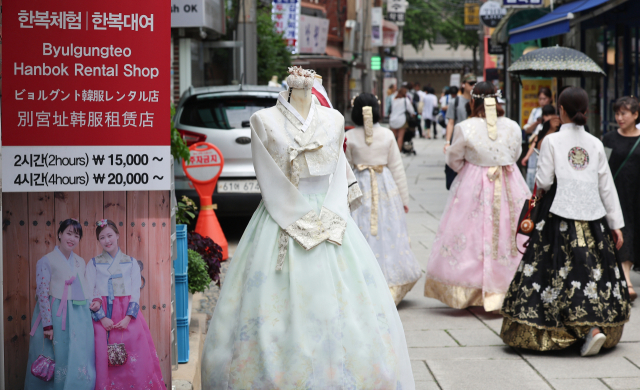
(552, 24)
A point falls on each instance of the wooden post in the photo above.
(42, 234)
(138, 239)
(91, 210)
(115, 209)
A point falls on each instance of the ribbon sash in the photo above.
(62, 309)
(496, 175)
(373, 169)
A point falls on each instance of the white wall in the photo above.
(440, 52)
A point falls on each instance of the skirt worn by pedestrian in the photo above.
(379, 170)
(570, 279)
(474, 255)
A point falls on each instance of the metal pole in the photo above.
(399, 54)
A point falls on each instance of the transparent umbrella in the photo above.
(555, 62)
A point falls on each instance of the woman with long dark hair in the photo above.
(569, 286)
(625, 166)
(373, 153)
(474, 255)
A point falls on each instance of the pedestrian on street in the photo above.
(418, 105)
(550, 123)
(457, 113)
(391, 94)
(373, 153)
(474, 255)
(429, 110)
(401, 109)
(625, 166)
(534, 124)
(444, 105)
(569, 286)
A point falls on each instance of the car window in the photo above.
(228, 112)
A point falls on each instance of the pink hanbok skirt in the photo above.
(474, 256)
(142, 369)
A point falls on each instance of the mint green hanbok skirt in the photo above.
(72, 350)
(326, 321)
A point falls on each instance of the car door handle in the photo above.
(246, 123)
(243, 140)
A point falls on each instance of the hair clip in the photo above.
(102, 223)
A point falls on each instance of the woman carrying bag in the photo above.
(402, 113)
(625, 166)
(569, 286)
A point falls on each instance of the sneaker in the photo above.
(592, 343)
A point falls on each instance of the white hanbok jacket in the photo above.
(586, 191)
(291, 154)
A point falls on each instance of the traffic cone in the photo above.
(208, 225)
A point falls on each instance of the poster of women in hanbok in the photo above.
(86, 202)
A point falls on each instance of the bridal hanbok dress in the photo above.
(380, 173)
(304, 304)
(474, 255)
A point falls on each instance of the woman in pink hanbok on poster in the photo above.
(474, 255)
(115, 279)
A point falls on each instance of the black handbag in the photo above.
(412, 121)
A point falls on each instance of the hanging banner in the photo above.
(471, 15)
(313, 34)
(529, 96)
(83, 107)
(286, 15)
(491, 13)
(376, 26)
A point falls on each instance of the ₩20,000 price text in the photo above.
(46, 179)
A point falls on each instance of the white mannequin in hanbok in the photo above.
(304, 303)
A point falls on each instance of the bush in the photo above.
(210, 251)
(199, 279)
(186, 210)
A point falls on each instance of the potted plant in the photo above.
(199, 279)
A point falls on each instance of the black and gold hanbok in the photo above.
(569, 279)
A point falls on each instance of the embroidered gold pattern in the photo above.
(497, 174)
(334, 225)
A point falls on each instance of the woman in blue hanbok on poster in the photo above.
(62, 328)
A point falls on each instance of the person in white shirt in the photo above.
(373, 153)
(397, 118)
(430, 102)
(570, 285)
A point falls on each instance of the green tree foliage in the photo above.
(198, 273)
(179, 149)
(273, 56)
(425, 19)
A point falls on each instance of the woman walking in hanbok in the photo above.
(474, 255)
(569, 286)
(373, 153)
(304, 303)
(114, 277)
(61, 328)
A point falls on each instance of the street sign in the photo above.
(397, 17)
(204, 169)
(491, 13)
(396, 6)
(390, 64)
(286, 15)
(522, 3)
(376, 26)
(471, 15)
(495, 49)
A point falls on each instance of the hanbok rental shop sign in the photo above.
(85, 108)
(86, 168)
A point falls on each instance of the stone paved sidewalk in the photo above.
(460, 349)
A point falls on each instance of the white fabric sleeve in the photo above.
(518, 151)
(90, 276)
(455, 152)
(136, 282)
(532, 117)
(394, 162)
(285, 204)
(546, 172)
(608, 192)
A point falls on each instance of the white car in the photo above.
(220, 115)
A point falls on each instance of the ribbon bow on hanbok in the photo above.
(373, 169)
(496, 175)
(295, 165)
